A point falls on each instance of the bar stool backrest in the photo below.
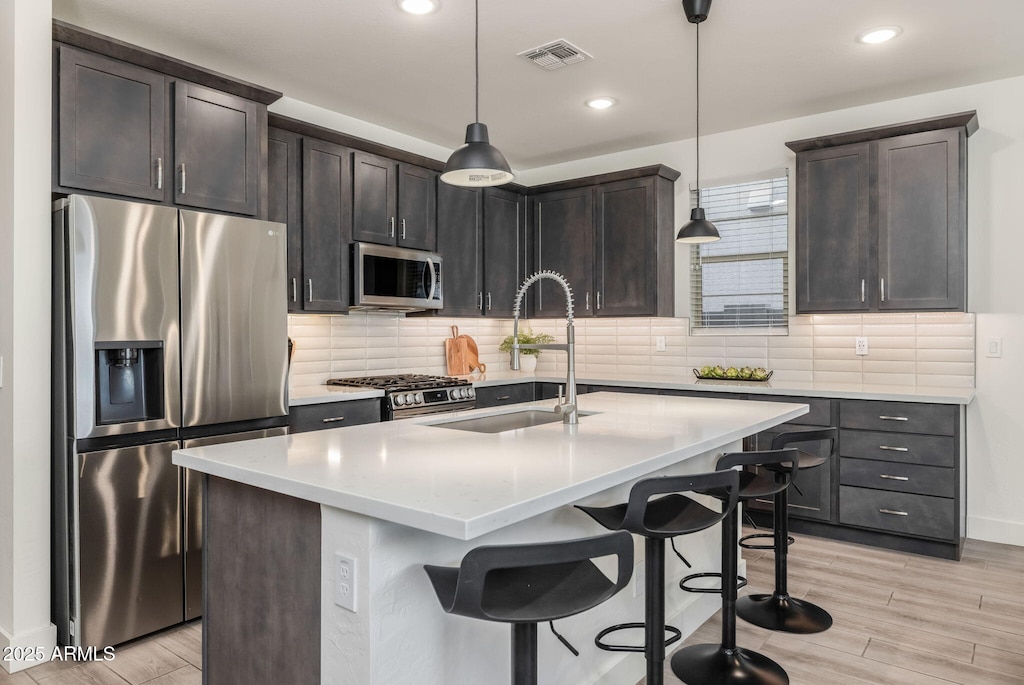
(811, 435)
(784, 463)
(723, 485)
(478, 562)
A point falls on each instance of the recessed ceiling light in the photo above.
(418, 6)
(601, 102)
(879, 35)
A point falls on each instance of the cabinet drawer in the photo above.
(885, 475)
(931, 450)
(820, 413)
(496, 396)
(898, 512)
(899, 417)
(314, 417)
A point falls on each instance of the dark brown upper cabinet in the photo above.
(613, 237)
(112, 127)
(326, 226)
(394, 203)
(216, 150)
(284, 203)
(881, 218)
(504, 249)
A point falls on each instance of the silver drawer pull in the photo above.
(334, 420)
(893, 449)
(893, 513)
(887, 477)
(894, 418)
(504, 397)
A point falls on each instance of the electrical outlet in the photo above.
(345, 582)
(993, 348)
(862, 346)
(638, 579)
(659, 343)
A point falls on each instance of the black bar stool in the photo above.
(526, 584)
(725, 663)
(658, 520)
(779, 611)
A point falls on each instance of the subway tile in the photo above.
(710, 352)
(840, 365)
(740, 362)
(669, 362)
(348, 353)
(790, 352)
(381, 365)
(946, 355)
(946, 368)
(698, 362)
(349, 367)
(779, 341)
(759, 341)
(831, 330)
(907, 379)
(790, 376)
(895, 367)
(888, 330)
(635, 340)
(946, 317)
(634, 360)
(847, 353)
(890, 354)
(634, 350)
(942, 381)
(790, 364)
(836, 319)
(946, 342)
(945, 329)
(905, 342)
(633, 369)
(835, 341)
(303, 368)
(837, 377)
(888, 319)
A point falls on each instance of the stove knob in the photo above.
(399, 400)
(472, 392)
(462, 393)
(410, 398)
(419, 398)
(454, 393)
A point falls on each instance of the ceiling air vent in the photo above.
(560, 53)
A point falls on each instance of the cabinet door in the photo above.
(326, 225)
(374, 193)
(112, 122)
(417, 198)
(564, 225)
(922, 221)
(284, 202)
(459, 229)
(833, 230)
(810, 496)
(500, 395)
(216, 150)
(504, 249)
(626, 249)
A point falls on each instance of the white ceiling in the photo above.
(762, 60)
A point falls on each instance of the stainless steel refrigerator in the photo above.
(169, 329)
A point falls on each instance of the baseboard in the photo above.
(995, 530)
(37, 646)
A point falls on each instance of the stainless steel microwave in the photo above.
(395, 279)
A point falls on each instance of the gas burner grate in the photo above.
(395, 382)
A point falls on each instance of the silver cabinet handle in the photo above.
(159, 173)
(893, 513)
(391, 222)
(182, 178)
(588, 302)
(893, 449)
(503, 398)
(883, 290)
(403, 229)
(295, 290)
(334, 420)
(863, 289)
(480, 301)
(599, 300)
(310, 284)
(888, 477)
(488, 302)
(894, 418)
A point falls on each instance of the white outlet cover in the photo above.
(862, 346)
(345, 582)
(659, 343)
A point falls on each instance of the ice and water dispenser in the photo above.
(129, 382)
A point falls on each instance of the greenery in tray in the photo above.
(527, 337)
(732, 373)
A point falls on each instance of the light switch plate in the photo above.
(862, 346)
(993, 347)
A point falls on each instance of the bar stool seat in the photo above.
(657, 520)
(527, 584)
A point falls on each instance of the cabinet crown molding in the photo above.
(965, 120)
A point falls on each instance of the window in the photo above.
(741, 281)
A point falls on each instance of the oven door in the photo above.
(395, 278)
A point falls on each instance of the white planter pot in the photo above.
(527, 363)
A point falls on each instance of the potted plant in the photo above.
(527, 358)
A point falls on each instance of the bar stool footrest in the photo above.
(745, 544)
(740, 583)
(674, 637)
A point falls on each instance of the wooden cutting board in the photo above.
(462, 354)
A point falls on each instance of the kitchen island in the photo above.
(393, 496)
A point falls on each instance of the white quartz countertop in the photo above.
(322, 394)
(853, 391)
(463, 484)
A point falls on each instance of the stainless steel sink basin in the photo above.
(510, 421)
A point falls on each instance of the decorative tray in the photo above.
(744, 374)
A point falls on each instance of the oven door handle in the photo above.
(433, 278)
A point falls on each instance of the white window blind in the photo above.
(741, 281)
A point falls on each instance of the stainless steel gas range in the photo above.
(412, 394)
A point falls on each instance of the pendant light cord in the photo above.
(476, 54)
(698, 114)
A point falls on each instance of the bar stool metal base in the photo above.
(716, 665)
(675, 636)
(741, 582)
(745, 541)
(783, 613)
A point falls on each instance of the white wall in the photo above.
(995, 245)
(25, 46)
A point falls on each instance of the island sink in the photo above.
(510, 421)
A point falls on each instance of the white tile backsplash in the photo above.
(904, 349)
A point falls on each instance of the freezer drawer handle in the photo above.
(887, 448)
(334, 420)
(893, 513)
(888, 477)
(894, 418)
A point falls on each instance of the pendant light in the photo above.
(477, 163)
(699, 229)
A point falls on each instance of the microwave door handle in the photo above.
(433, 279)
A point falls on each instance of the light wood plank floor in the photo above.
(899, 619)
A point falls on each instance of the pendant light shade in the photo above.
(477, 163)
(699, 229)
